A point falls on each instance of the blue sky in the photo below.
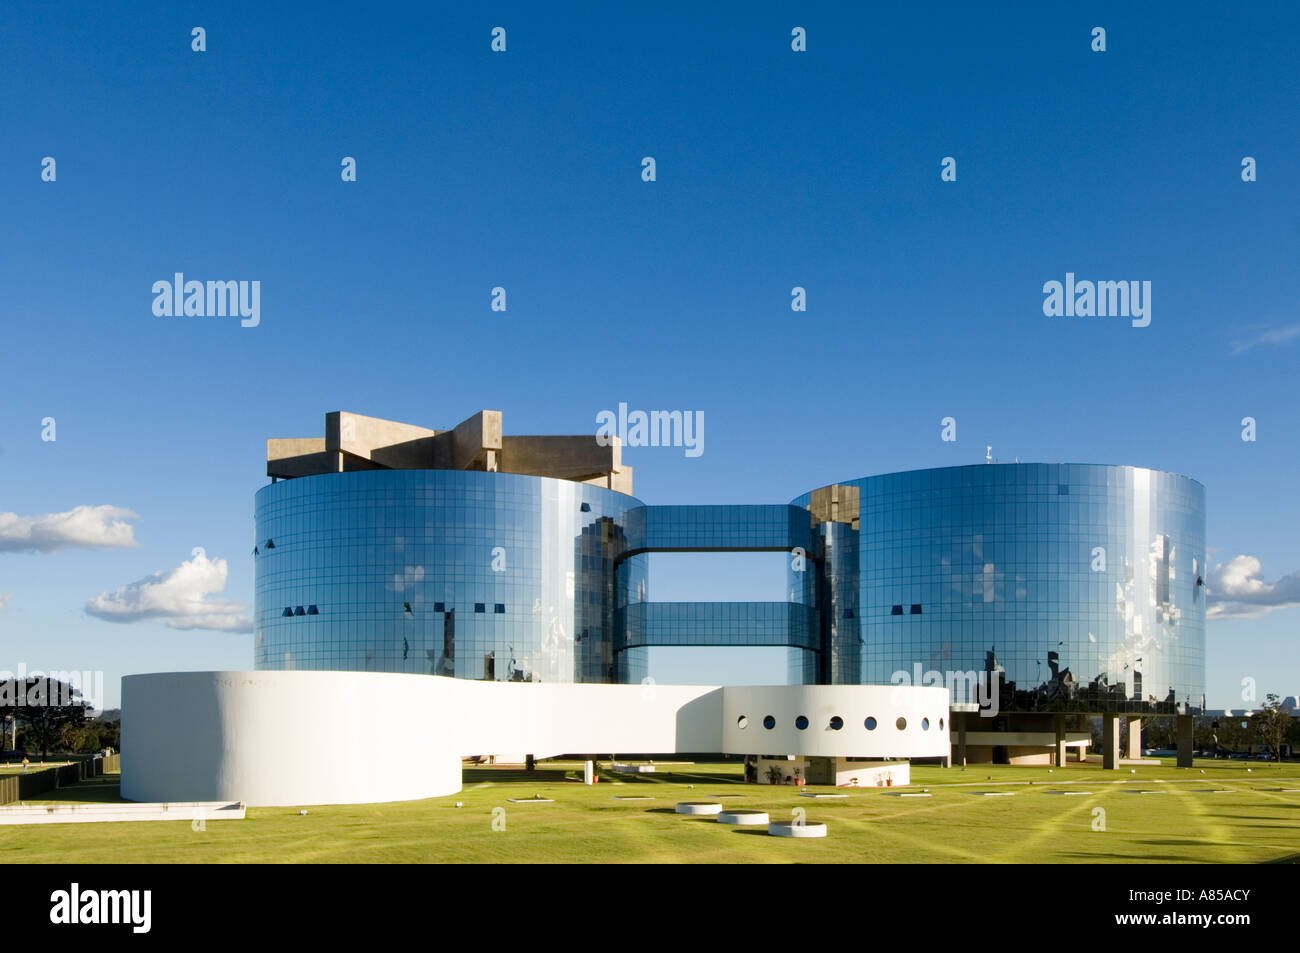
(522, 169)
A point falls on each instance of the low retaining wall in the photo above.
(101, 813)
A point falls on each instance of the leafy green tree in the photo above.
(80, 739)
(44, 706)
(1271, 724)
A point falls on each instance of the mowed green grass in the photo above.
(1257, 822)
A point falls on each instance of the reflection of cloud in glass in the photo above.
(409, 578)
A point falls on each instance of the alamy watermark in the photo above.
(51, 689)
(1101, 299)
(213, 299)
(964, 688)
(121, 907)
(657, 428)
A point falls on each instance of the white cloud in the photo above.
(5, 597)
(1272, 337)
(178, 597)
(1237, 590)
(83, 527)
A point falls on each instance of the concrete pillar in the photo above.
(1110, 742)
(1183, 732)
(961, 738)
(1059, 752)
(1134, 738)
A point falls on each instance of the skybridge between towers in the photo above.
(794, 622)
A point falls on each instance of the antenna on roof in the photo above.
(988, 454)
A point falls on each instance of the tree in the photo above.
(46, 706)
(80, 739)
(1272, 724)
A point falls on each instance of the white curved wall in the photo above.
(297, 737)
(287, 738)
(605, 719)
(853, 704)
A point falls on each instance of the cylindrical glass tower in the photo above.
(464, 573)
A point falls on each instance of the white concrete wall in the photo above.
(297, 737)
(287, 738)
(852, 703)
(550, 719)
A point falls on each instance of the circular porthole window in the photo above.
(870, 724)
(769, 722)
(836, 723)
(925, 724)
(901, 724)
(801, 722)
(742, 722)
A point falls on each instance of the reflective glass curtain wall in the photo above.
(464, 573)
(1085, 583)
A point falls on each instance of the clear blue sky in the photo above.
(522, 169)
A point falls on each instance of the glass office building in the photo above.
(1080, 587)
(463, 573)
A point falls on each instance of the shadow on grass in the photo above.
(102, 790)
(509, 775)
(711, 818)
(1148, 858)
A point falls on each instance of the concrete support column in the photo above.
(961, 738)
(1183, 732)
(1058, 751)
(1134, 738)
(1110, 742)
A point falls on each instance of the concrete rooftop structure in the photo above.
(356, 442)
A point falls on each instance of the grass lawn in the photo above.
(1257, 821)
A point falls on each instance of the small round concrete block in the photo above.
(791, 829)
(743, 817)
(698, 808)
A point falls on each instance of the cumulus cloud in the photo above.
(83, 527)
(1237, 589)
(179, 597)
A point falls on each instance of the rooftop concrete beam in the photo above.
(361, 436)
(475, 443)
(620, 480)
(278, 448)
(566, 457)
(305, 464)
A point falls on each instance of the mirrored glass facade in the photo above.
(1082, 586)
(1083, 583)
(465, 573)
